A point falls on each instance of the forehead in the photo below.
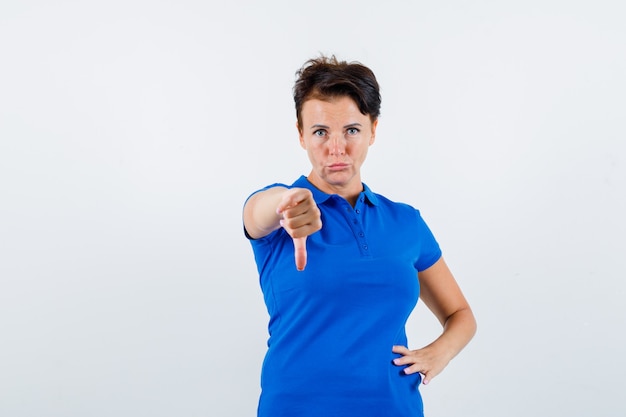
(329, 109)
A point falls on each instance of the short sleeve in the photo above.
(430, 252)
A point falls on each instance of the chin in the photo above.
(338, 180)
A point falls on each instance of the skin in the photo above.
(336, 137)
(442, 295)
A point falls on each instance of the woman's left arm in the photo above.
(442, 295)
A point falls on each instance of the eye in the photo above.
(352, 131)
(320, 133)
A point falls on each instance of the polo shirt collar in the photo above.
(321, 197)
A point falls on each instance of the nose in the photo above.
(337, 144)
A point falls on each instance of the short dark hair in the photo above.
(326, 78)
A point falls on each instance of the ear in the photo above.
(302, 144)
(373, 137)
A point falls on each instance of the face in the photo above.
(336, 136)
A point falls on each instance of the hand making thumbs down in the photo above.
(300, 218)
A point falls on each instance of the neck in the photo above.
(350, 192)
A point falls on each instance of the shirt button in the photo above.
(358, 211)
(361, 234)
(365, 247)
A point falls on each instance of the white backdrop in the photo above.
(132, 131)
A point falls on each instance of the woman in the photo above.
(341, 268)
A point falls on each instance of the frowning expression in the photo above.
(336, 136)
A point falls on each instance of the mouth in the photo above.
(338, 166)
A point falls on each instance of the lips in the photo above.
(338, 166)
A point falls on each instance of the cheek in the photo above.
(358, 148)
(318, 148)
(315, 154)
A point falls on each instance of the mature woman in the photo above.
(341, 268)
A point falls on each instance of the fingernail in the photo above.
(395, 362)
(281, 222)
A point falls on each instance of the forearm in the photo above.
(259, 213)
(458, 330)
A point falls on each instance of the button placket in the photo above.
(352, 216)
(358, 231)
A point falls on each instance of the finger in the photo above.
(402, 350)
(405, 359)
(426, 378)
(428, 374)
(413, 369)
(291, 198)
(299, 244)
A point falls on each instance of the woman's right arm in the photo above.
(294, 209)
(260, 216)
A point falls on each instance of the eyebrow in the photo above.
(318, 126)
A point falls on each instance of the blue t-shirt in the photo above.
(332, 326)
